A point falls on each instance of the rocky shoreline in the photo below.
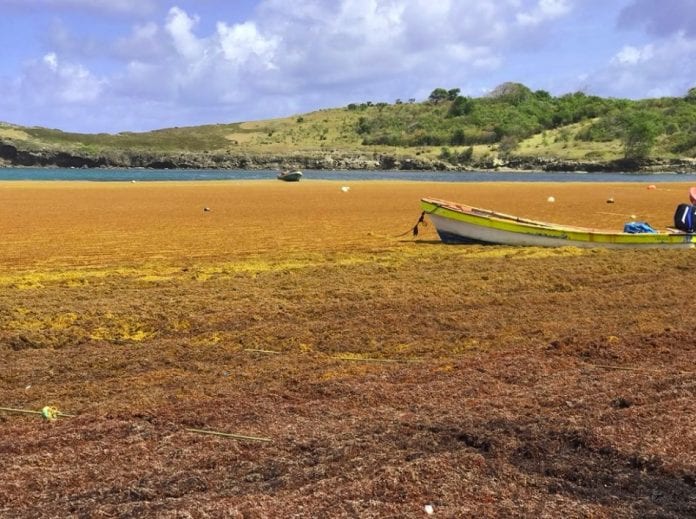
(11, 156)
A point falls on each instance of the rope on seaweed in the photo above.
(414, 230)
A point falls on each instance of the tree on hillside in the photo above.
(438, 95)
(460, 106)
(458, 137)
(363, 126)
(453, 93)
(511, 92)
(640, 134)
(691, 95)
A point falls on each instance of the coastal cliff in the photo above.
(13, 157)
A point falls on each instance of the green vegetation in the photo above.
(513, 114)
(511, 121)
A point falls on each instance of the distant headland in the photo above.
(512, 128)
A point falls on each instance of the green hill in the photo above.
(512, 126)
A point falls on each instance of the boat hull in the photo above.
(293, 176)
(457, 224)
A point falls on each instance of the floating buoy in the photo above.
(652, 186)
(345, 189)
(50, 413)
(206, 209)
(551, 199)
(610, 200)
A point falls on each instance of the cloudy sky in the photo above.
(116, 65)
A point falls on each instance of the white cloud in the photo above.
(51, 81)
(372, 40)
(180, 27)
(630, 55)
(664, 67)
(51, 60)
(544, 11)
(144, 43)
(242, 42)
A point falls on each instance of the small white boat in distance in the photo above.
(458, 223)
(290, 176)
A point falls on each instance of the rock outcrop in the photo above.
(340, 160)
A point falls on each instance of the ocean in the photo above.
(150, 175)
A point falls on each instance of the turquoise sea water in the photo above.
(149, 175)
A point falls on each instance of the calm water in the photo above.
(148, 175)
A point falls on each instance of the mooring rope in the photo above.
(414, 230)
(49, 412)
(230, 435)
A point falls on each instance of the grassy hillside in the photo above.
(511, 122)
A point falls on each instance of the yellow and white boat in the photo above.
(458, 223)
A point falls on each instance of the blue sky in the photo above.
(132, 65)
